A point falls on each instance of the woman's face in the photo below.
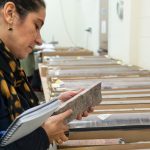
(26, 33)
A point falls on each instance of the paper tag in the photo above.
(103, 116)
(54, 85)
(103, 27)
(58, 81)
(57, 72)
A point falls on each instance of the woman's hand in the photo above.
(69, 94)
(85, 113)
(55, 127)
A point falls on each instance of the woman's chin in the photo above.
(23, 56)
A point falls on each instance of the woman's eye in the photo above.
(37, 27)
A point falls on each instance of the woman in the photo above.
(20, 24)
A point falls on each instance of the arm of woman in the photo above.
(37, 140)
(41, 137)
(53, 129)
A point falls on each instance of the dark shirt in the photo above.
(37, 140)
(16, 95)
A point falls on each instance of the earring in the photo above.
(10, 26)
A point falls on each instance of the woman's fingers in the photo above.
(69, 94)
(55, 125)
(65, 114)
(59, 139)
(79, 117)
(63, 137)
(85, 114)
(90, 109)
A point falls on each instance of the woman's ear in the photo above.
(9, 11)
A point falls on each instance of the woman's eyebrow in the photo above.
(41, 21)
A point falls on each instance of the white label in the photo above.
(103, 116)
(103, 27)
(57, 72)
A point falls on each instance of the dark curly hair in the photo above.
(23, 7)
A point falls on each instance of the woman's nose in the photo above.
(38, 39)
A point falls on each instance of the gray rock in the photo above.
(82, 101)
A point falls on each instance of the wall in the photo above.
(134, 30)
(119, 32)
(104, 25)
(57, 24)
(67, 20)
(144, 34)
(89, 14)
(129, 40)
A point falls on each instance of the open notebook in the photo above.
(33, 118)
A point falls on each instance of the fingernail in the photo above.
(71, 111)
